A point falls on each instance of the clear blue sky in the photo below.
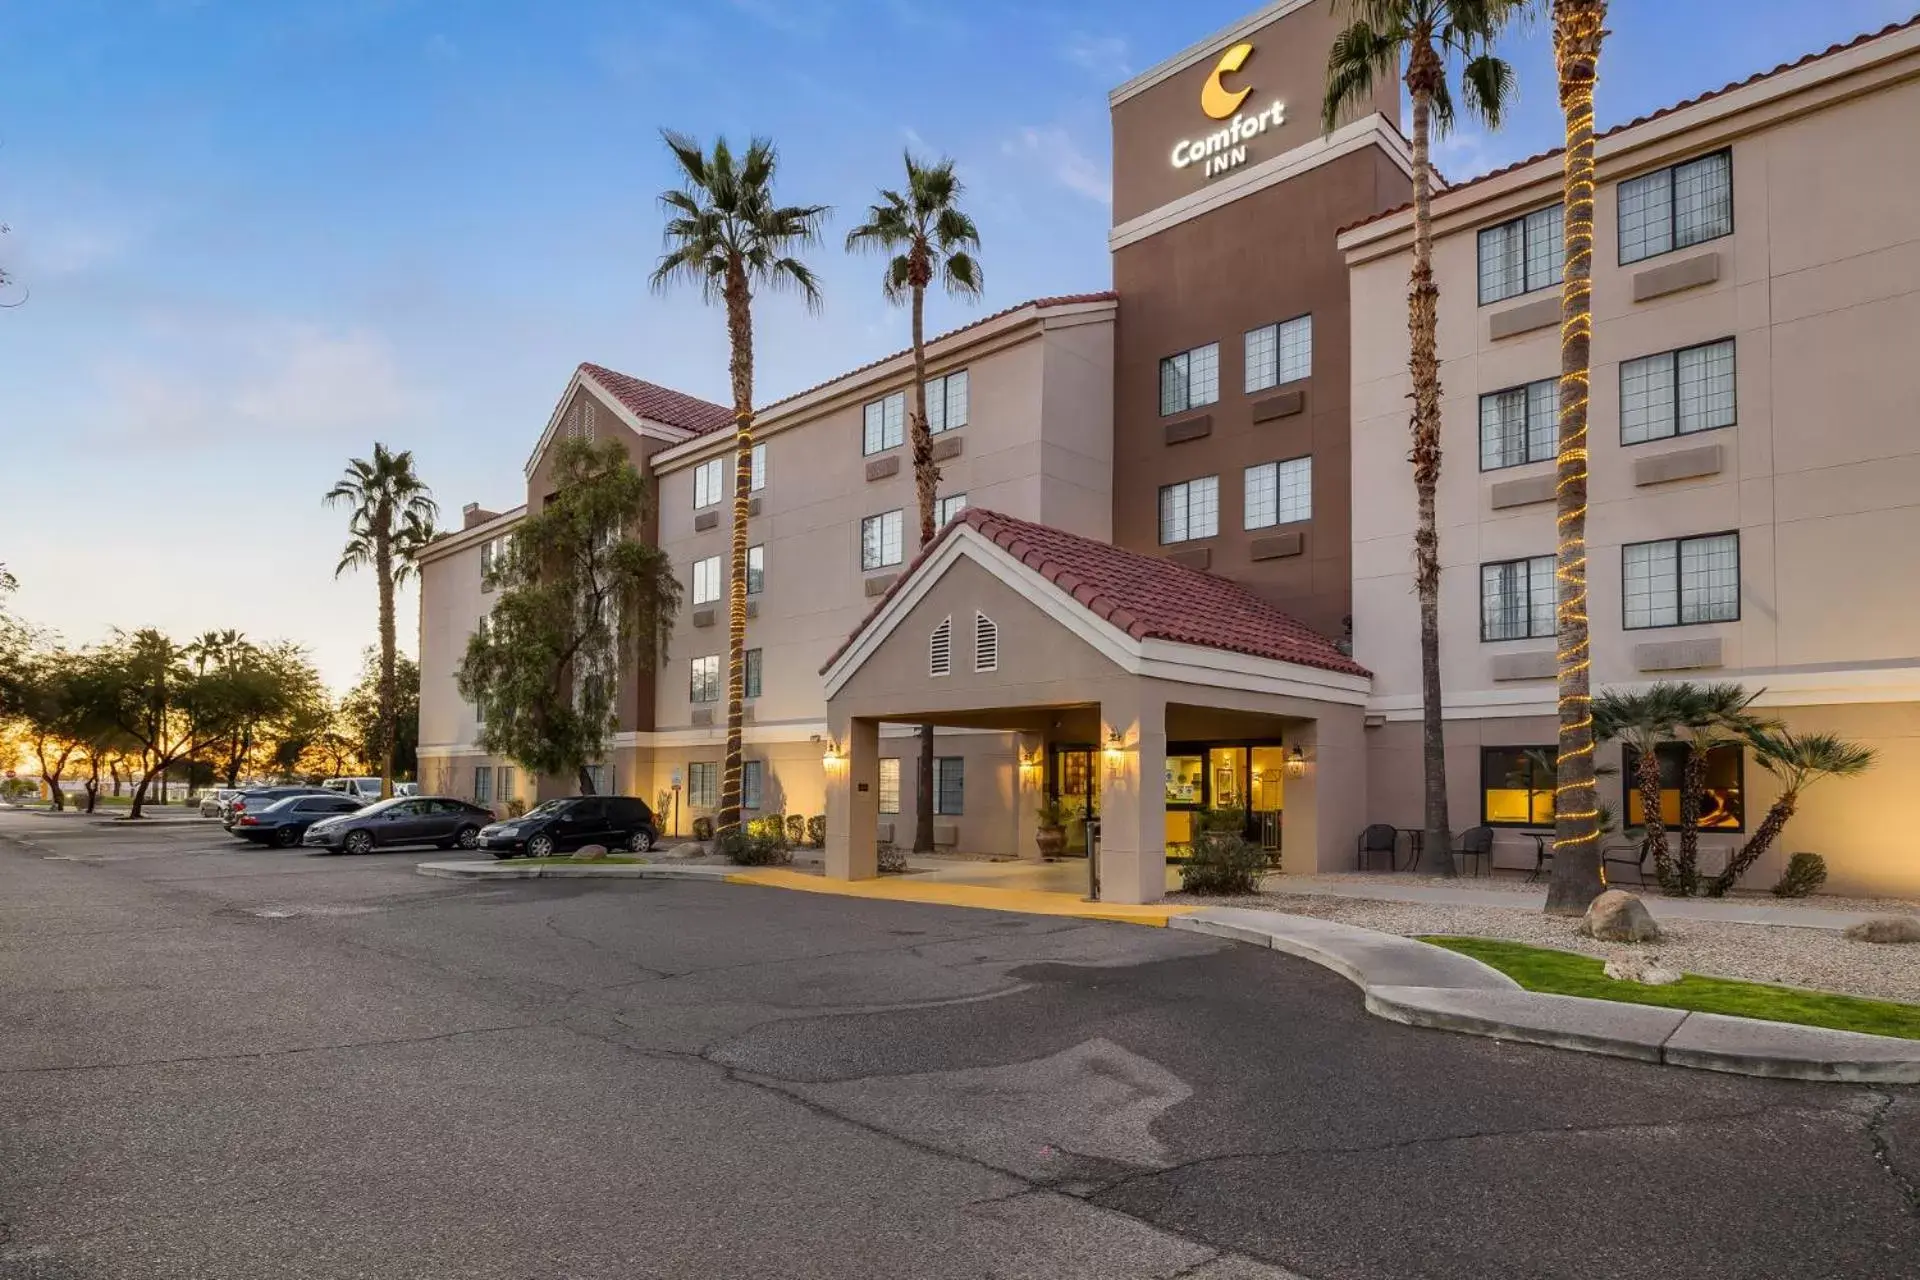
(260, 235)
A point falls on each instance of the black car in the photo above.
(257, 798)
(403, 820)
(560, 826)
(284, 822)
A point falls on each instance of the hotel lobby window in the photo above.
(1673, 208)
(1190, 379)
(1516, 786)
(752, 783)
(1677, 393)
(1278, 353)
(703, 784)
(949, 785)
(880, 543)
(947, 402)
(1677, 582)
(1520, 425)
(1189, 510)
(890, 784)
(1279, 493)
(1722, 804)
(1521, 256)
(1517, 599)
(885, 423)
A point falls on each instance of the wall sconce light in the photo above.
(1115, 752)
(1029, 764)
(832, 759)
(1296, 764)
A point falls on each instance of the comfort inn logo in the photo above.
(1221, 150)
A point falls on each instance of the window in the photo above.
(703, 784)
(601, 776)
(1279, 493)
(1722, 803)
(1190, 379)
(1523, 255)
(482, 785)
(1686, 205)
(880, 541)
(759, 467)
(1679, 581)
(708, 480)
(490, 560)
(503, 782)
(986, 643)
(890, 784)
(949, 785)
(1517, 599)
(706, 580)
(750, 677)
(1520, 425)
(886, 423)
(479, 705)
(1677, 392)
(756, 569)
(1189, 510)
(1279, 353)
(940, 649)
(705, 686)
(945, 509)
(947, 402)
(1516, 786)
(752, 780)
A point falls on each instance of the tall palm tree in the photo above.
(725, 233)
(1642, 720)
(1578, 30)
(929, 238)
(390, 515)
(1712, 716)
(1799, 761)
(1427, 32)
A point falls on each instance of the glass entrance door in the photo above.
(1077, 788)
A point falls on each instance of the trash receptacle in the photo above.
(1093, 859)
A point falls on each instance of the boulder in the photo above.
(1886, 929)
(1618, 916)
(690, 849)
(590, 853)
(1643, 969)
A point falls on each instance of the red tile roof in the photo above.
(660, 404)
(1146, 597)
(1755, 78)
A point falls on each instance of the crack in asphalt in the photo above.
(1883, 1151)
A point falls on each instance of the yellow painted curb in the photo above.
(1023, 901)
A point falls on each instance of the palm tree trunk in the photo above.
(1577, 875)
(1693, 785)
(926, 479)
(1757, 844)
(383, 567)
(740, 365)
(1646, 776)
(1423, 298)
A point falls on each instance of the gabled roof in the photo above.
(1144, 596)
(659, 404)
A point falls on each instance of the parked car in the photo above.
(406, 788)
(214, 801)
(284, 822)
(256, 798)
(365, 789)
(402, 820)
(560, 826)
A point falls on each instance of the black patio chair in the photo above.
(1476, 842)
(1378, 838)
(1616, 855)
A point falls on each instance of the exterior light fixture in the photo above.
(832, 759)
(1296, 763)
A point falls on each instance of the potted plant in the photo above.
(1051, 838)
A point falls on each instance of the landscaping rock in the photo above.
(590, 853)
(1645, 970)
(1892, 929)
(1618, 916)
(690, 849)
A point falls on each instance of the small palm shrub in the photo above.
(748, 848)
(1805, 872)
(703, 828)
(817, 830)
(1225, 863)
(796, 829)
(772, 827)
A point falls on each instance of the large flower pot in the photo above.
(1051, 841)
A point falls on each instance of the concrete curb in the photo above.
(1420, 985)
(582, 871)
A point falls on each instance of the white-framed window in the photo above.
(503, 782)
(709, 482)
(1279, 493)
(705, 683)
(758, 463)
(706, 580)
(889, 784)
(483, 784)
(1518, 599)
(1190, 510)
(1278, 353)
(753, 774)
(756, 569)
(703, 784)
(1685, 204)
(490, 561)
(940, 649)
(986, 643)
(1520, 425)
(949, 785)
(753, 663)
(885, 423)
(1190, 379)
(1677, 393)
(947, 402)
(1523, 255)
(945, 509)
(1678, 582)
(602, 778)
(880, 541)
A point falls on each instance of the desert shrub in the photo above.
(817, 830)
(703, 828)
(748, 848)
(1225, 821)
(516, 808)
(796, 829)
(892, 861)
(772, 827)
(1223, 862)
(1805, 872)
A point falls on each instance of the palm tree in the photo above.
(1642, 720)
(1427, 32)
(1578, 29)
(928, 237)
(389, 522)
(725, 234)
(1711, 716)
(1799, 761)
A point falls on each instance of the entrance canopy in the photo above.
(1005, 624)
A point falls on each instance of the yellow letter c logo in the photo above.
(1216, 101)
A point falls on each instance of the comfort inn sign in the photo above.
(1226, 147)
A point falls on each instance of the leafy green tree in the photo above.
(360, 710)
(581, 598)
(726, 234)
(271, 687)
(1426, 33)
(389, 523)
(928, 237)
(1799, 761)
(47, 700)
(148, 686)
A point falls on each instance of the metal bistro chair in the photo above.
(1615, 855)
(1378, 838)
(1476, 842)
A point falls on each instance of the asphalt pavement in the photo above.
(222, 1061)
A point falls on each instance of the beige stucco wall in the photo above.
(452, 602)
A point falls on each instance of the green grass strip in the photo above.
(1566, 974)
